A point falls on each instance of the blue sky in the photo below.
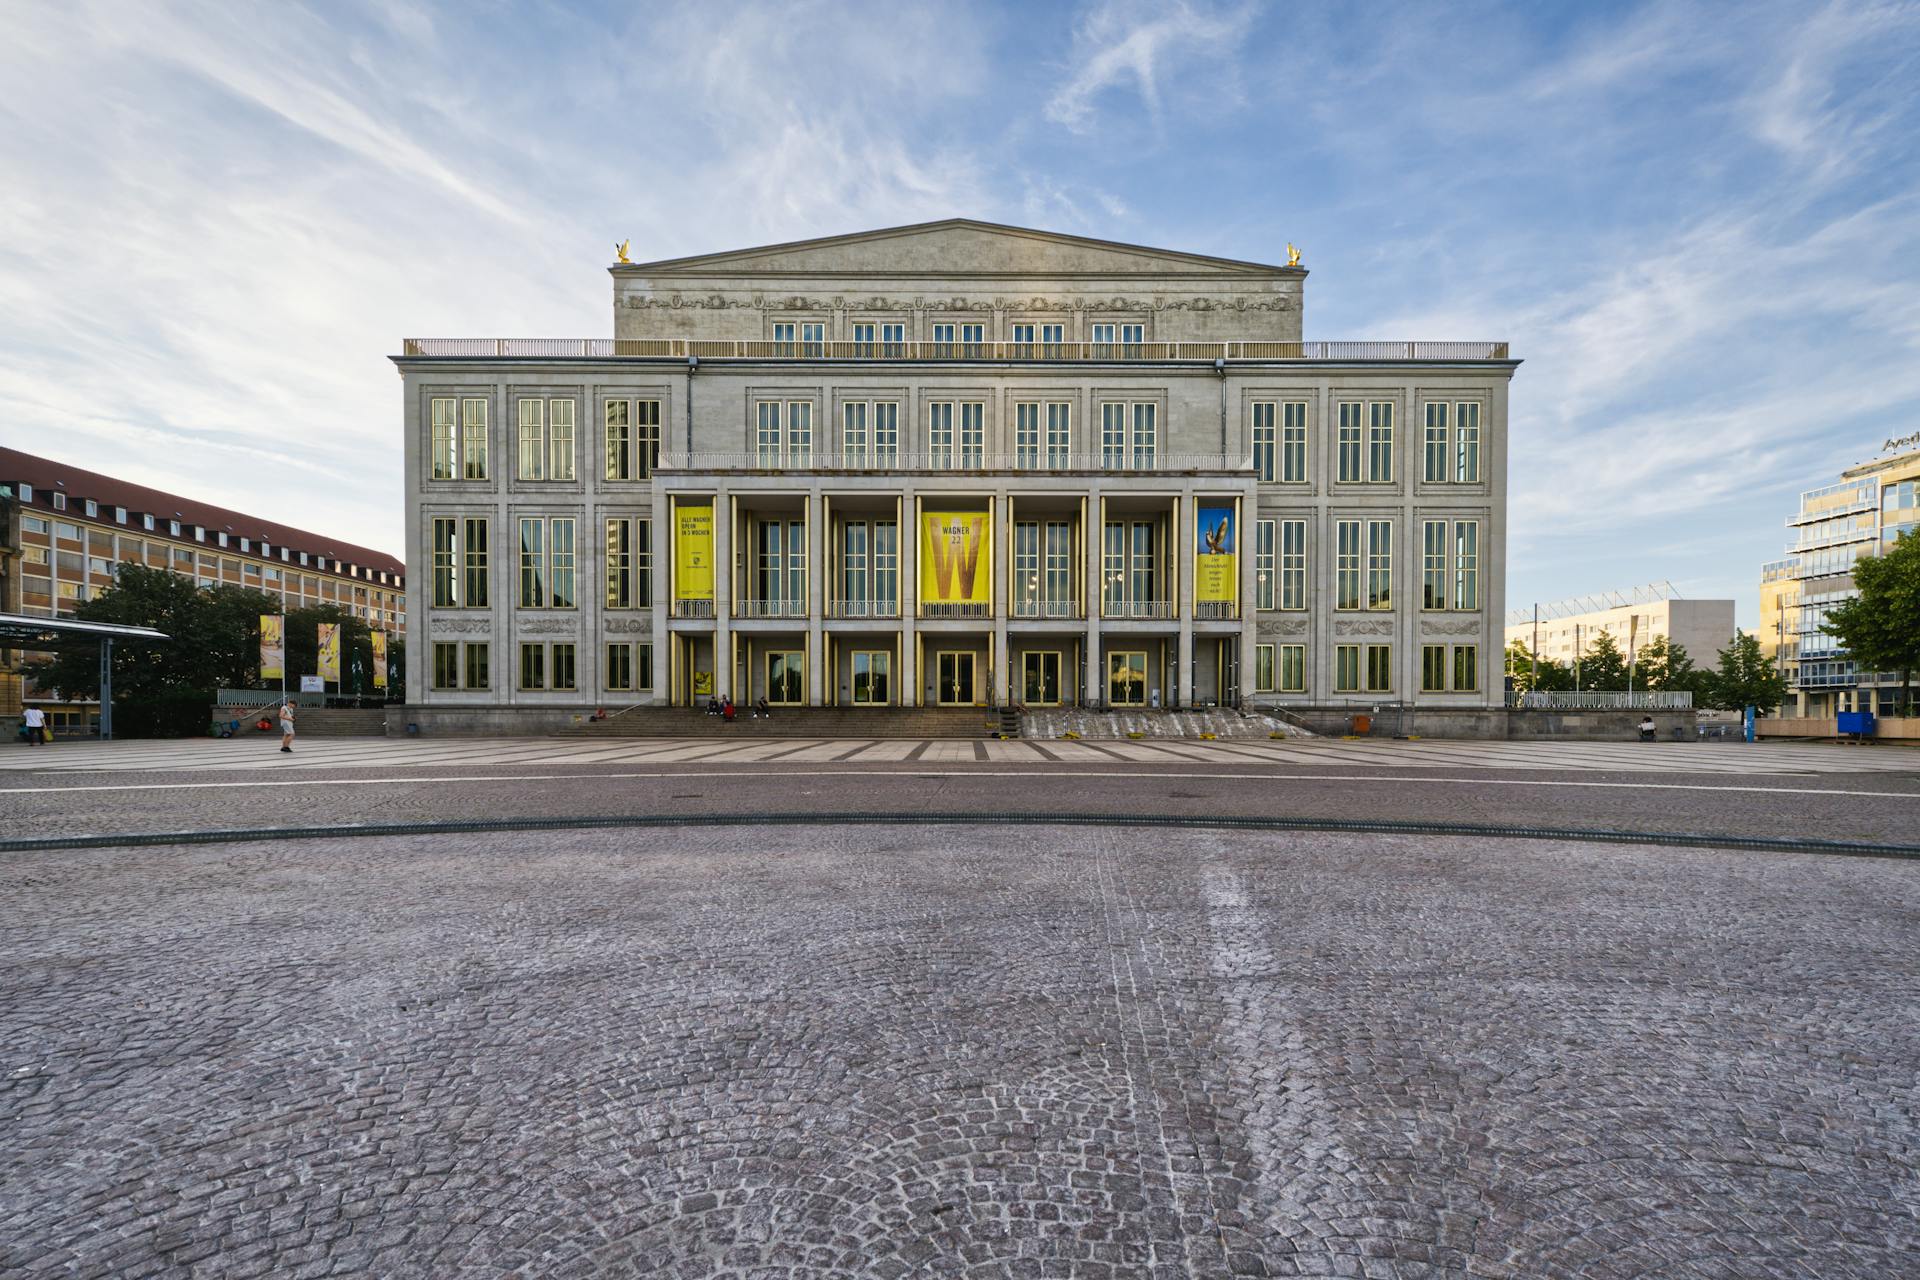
(1698, 224)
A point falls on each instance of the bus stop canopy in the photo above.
(20, 626)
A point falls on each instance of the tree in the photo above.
(1603, 666)
(1880, 627)
(356, 650)
(1665, 666)
(1546, 675)
(1746, 677)
(165, 687)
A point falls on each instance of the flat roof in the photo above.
(28, 626)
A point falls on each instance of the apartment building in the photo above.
(71, 529)
(954, 464)
(1861, 514)
(1633, 618)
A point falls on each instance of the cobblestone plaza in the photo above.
(827, 1051)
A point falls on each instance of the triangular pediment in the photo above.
(955, 247)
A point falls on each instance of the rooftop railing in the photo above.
(947, 460)
(712, 349)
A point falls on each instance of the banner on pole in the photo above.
(330, 651)
(379, 639)
(693, 553)
(273, 646)
(956, 557)
(1216, 578)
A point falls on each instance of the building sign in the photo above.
(330, 651)
(693, 553)
(1902, 443)
(379, 639)
(312, 684)
(1216, 578)
(955, 557)
(273, 646)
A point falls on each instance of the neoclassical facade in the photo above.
(955, 464)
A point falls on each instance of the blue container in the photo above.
(1857, 723)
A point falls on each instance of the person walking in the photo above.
(286, 727)
(36, 725)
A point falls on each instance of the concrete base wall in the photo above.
(1496, 723)
(485, 722)
(1885, 728)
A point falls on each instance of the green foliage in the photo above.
(356, 651)
(1746, 677)
(1665, 666)
(1547, 675)
(1880, 627)
(1603, 666)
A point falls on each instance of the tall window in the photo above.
(633, 439)
(1263, 668)
(1026, 568)
(1433, 668)
(1347, 445)
(1433, 564)
(1379, 668)
(783, 433)
(1265, 441)
(1127, 569)
(940, 434)
(1346, 668)
(618, 671)
(562, 666)
(1026, 433)
(1379, 564)
(445, 558)
(1380, 442)
(1466, 442)
(956, 433)
(459, 449)
(533, 666)
(1129, 436)
(1265, 583)
(546, 563)
(446, 664)
(973, 429)
(629, 563)
(1293, 669)
(1439, 675)
(1293, 564)
(1434, 465)
(546, 439)
(477, 675)
(855, 536)
(473, 562)
(1466, 564)
(781, 567)
(1057, 586)
(1293, 442)
(1346, 564)
(1466, 668)
(870, 433)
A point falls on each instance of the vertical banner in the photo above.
(379, 639)
(273, 646)
(1216, 577)
(330, 651)
(693, 553)
(955, 555)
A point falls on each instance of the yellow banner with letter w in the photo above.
(379, 639)
(956, 557)
(273, 646)
(330, 651)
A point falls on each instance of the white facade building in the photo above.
(955, 464)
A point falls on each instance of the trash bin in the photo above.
(1362, 724)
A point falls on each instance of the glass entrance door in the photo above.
(1040, 679)
(955, 683)
(786, 686)
(870, 671)
(1127, 679)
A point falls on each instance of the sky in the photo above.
(1697, 224)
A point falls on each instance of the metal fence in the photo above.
(1602, 700)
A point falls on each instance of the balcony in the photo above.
(1215, 610)
(691, 609)
(948, 612)
(769, 609)
(984, 352)
(857, 609)
(1048, 610)
(948, 462)
(1138, 610)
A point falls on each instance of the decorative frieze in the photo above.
(1357, 627)
(1450, 627)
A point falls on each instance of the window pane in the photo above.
(442, 450)
(1466, 668)
(1348, 445)
(473, 443)
(560, 566)
(619, 440)
(1293, 668)
(533, 566)
(1467, 442)
(1380, 442)
(473, 550)
(1293, 444)
(532, 450)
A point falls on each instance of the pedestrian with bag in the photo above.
(286, 727)
(36, 726)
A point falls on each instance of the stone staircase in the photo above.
(794, 722)
(311, 722)
(1221, 722)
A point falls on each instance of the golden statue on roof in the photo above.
(1293, 255)
(620, 252)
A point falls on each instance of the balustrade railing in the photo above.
(1138, 610)
(1048, 609)
(1215, 610)
(959, 461)
(690, 609)
(769, 609)
(856, 609)
(935, 611)
(1005, 352)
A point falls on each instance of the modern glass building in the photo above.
(955, 464)
(1835, 525)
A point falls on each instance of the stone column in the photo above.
(1094, 518)
(907, 523)
(1180, 572)
(723, 517)
(816, 599)
(1002, 596)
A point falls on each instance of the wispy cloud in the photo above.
(1134, 45)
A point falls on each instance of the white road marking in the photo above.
(1370, 778)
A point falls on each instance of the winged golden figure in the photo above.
(620, 251)
(1293, 255)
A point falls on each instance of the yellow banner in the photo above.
(956, 557)
(273, 646)
(693, 553)
(1216, 578)
(330, 651)
(379, 639)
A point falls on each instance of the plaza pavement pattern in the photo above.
(261, 752)
(815, 1052)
